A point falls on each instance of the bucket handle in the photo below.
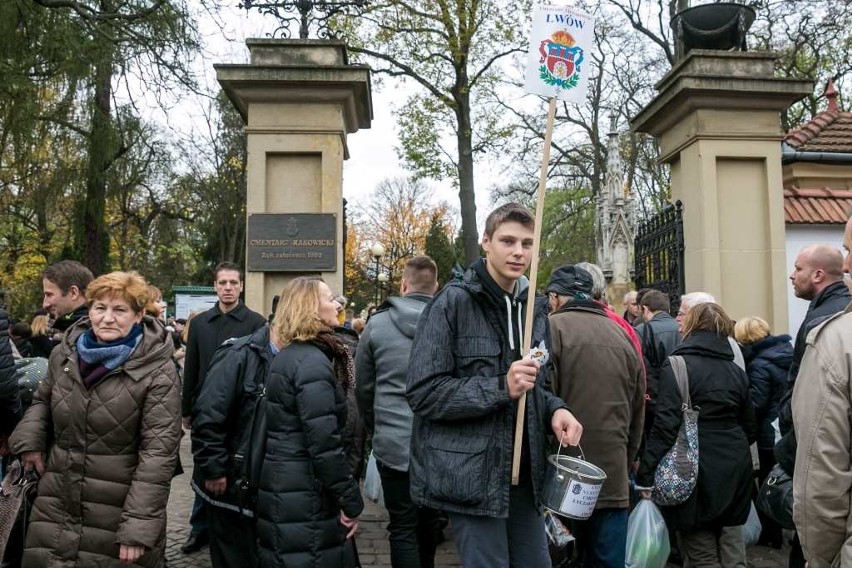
(562, 442)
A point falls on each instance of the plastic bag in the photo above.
(647, 537)
(557, 534)
(373, 483)
(752, 528)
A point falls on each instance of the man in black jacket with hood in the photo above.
(228, 319)
(466, 376)
(817, 276)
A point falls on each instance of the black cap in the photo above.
(570, 280)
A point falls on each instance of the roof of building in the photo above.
(828, 131)
(822, 206)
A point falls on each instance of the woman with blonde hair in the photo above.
(726, 429)
(103, 434)
(768, 358)
(40, 338)
(306, 487)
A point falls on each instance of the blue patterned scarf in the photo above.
(98, 359)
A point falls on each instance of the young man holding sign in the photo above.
(466, 376)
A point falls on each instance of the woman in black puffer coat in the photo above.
(726, 429)
(308, 501)
(768, 359)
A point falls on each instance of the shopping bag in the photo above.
(647, 537)
(14, 491)
(752, 528)
(372, 482)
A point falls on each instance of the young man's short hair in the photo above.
(656, 301)
(227, 265)
(421, 273)
(510, 212)
(67, 273)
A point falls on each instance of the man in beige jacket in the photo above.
(822, 405)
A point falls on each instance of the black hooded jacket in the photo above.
(10, 403)
(223, 415)
(767, 364)
(726, 429)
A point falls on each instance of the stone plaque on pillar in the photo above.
(298, 242)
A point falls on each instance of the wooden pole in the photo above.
(528, 324)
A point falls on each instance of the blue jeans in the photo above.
(601, 539)
(198, 518)
(519, 541)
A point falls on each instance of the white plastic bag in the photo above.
(647, 537)
(373, 483)
(752, 528)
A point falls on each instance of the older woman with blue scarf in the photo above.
(103, 434)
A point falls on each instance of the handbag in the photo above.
(775, 498)
(14, 492)
(677, 473)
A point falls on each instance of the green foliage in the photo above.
(439, 246)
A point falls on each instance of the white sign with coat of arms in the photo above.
(558, 62)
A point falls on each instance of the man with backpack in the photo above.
(224, 417)
(659, 336)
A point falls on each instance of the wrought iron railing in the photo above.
(659, 253)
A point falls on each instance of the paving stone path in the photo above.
(372, 536)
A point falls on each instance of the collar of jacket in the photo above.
(155, 347)
(582, 306)
(239, 313)
(661, 315)
(707, 344)
(835, 290)
(65, 322)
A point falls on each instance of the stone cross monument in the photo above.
(615, 224)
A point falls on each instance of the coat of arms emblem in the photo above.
(560, 60)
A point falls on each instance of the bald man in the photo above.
(817, 276)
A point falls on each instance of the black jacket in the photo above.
(726, 429)
(10, 403)
(831, 300)
(658, 337)
(767, 364)
(463, 431)
(64, 322)
(305, 481)
(223, 415)
(207, 331)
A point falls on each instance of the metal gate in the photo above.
(659, 253)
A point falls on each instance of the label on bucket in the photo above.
(580, 498)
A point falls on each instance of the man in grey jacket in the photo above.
(382, 367)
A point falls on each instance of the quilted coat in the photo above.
(305, 481)
(110, 454)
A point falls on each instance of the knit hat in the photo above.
(570, 280)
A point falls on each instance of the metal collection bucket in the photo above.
(572, 486)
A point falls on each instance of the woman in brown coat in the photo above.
(107, 418)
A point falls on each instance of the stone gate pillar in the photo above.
(299, 100)
(717, 118)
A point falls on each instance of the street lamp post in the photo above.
(378, 251)
(383, 280)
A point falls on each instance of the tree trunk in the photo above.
(467, 193)
(92, 243)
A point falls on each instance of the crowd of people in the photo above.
(281, 411)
